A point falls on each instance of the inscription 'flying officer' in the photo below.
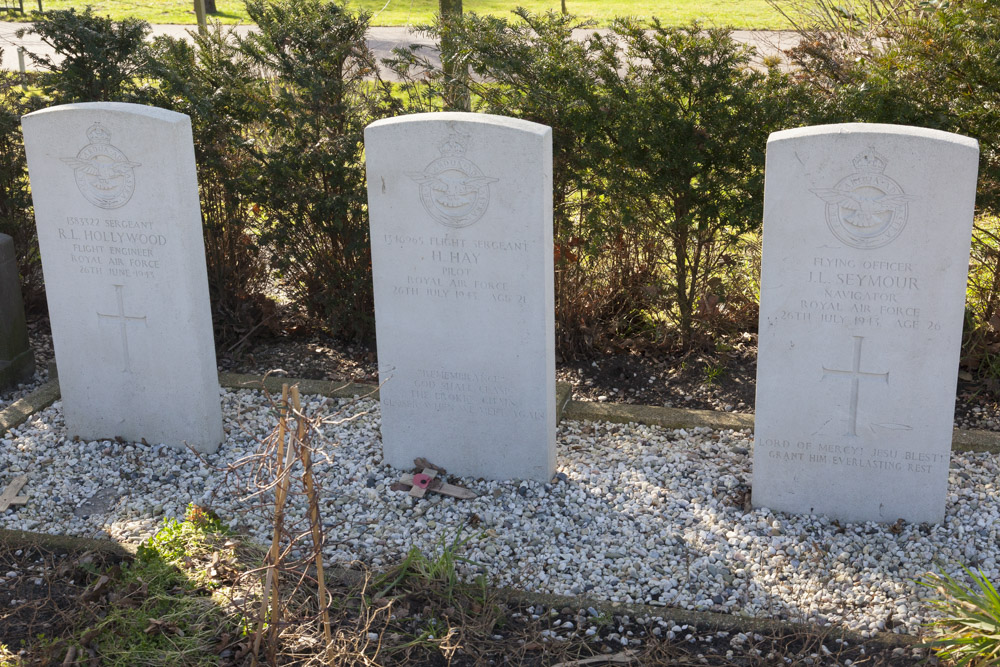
(104, 176)
(866, 209)
(453, 190)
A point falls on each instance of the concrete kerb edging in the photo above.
(17, 412)
(566, 408)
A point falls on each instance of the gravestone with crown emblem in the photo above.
(461, 233)
(119, 227)
(865, 255)
(17, 363)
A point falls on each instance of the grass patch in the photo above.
(158, 608)
(735, 13)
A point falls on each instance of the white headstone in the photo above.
(119, 227)
(866, 252)
(461, 234)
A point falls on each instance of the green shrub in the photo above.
(658, 146)
(16, 215)
(310, 181)
(690, 123)
(101, 60)
(532, 68)
(211, 81)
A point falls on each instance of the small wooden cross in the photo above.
(9, 496)
(427, 480)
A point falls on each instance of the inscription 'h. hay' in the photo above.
(123, 321)
(866, 209)
(855, 373)
(453, 189)
(104, 176)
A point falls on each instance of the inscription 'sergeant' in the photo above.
(104, 176)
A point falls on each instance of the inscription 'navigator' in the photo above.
(861, 308)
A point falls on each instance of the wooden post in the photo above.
(456, 91)
(199, 11)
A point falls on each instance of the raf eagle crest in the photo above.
(866, 209)
(104, 176)
(453, 190)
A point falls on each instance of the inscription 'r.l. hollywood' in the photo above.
(453, 189)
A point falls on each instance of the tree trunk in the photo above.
(456, 74)
(210, 6)
(199, 12)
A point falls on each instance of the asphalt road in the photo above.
(381, 39)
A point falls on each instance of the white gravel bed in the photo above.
(635, 514)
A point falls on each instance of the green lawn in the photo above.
(736, 13)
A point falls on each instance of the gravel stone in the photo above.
(645, 515)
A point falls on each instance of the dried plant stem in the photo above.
(314, 521)
(271, 580)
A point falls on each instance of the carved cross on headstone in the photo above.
(123, 321)
(855, 373)
(9, 496)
